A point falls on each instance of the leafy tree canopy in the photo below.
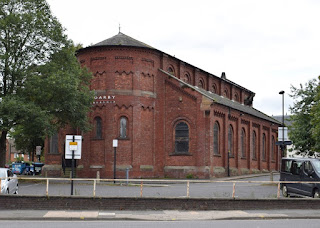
(302, 131)
(42, 86)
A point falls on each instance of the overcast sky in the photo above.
(263, 45)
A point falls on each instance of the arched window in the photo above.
(171, 70)
(54, 144)
(216, 134)
(272, 148)
(243, 143)
(182, 138)
(225, 93)
(123, 127)
(236, 97)
(254, 145)
(214, 88)
(201, 83)
(98, 127)
(230, 140)
(263, 147)
(186, 78)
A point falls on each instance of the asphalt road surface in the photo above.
(158, 189)
(310, 223)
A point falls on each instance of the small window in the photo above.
(254, 145)
(98, 127)
(243, 143)
(171, 70)
(54, 144)
(201, 83)
(216, 134)
(182, 138)
(230, 140)
(263, 147)
(272, 148)
(123, 127)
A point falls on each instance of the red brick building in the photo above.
(171, 118)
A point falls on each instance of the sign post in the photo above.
(73, 151)
(115, 145)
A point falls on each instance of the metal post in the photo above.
(188, 188)
(47, 189)
(72, 168)
(94, 188)
(228, 164)
(114, 164)
(233, 190)
(127, 175)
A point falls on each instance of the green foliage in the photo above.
(42, 86)
(303, 125)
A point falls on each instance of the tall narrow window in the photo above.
(123, 127)
(98, 128)
(272, 148)
(216, 133)
(54, 144)
(254, 145)
(230, 140)
(243, 143)
(182, 138)
(263, 147)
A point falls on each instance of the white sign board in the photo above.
(285, 133)
(38, 150)
(115, 143)
(73, 146)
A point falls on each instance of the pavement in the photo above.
(165, 215)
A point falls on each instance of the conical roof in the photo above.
(122, 40)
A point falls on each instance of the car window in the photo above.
(3, 174)
(286, 166)
(296, 166)
(10, 174)
(316, 165)
(307, 167)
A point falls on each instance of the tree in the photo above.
(42, 86)
(301, 131)
(315, 118)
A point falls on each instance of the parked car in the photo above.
(300, 170)
(9, 182)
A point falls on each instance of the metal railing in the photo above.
(145, 182)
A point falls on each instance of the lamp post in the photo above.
(282, 145)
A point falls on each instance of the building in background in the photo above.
(171, 119)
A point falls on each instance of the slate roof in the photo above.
(122, 40)
(227, 102)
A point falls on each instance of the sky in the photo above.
(265, 46)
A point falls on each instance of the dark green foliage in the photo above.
(42, 86)
(302, 129)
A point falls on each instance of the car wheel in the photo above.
(285, 191)
(316, 194)
(17, 188)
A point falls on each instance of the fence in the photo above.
(199, 186)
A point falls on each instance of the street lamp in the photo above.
(282, 145)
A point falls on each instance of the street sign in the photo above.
(115, 143)
(38, 150)
(73, 145)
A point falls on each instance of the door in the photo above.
(296, 169)
(307, 175)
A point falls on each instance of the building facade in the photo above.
(171, 119)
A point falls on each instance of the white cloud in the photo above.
(264, 45)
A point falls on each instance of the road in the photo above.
(310, 223)
(162, 189)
